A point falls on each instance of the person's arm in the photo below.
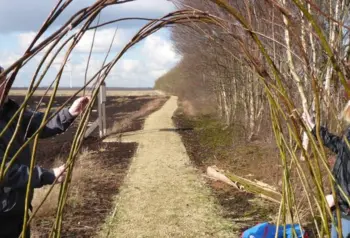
(329, 140)
(17, 176)
(59, 123)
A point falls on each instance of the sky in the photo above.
(139, 67)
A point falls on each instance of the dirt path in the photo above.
(163, 195)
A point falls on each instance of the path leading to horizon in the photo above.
(163, 194)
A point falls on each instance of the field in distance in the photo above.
(110, 92)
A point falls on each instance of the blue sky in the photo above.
(140, 67)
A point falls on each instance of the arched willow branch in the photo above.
(87, 16)
(284, 113)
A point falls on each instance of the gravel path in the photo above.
(163, 194)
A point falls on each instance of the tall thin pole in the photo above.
(70, 79)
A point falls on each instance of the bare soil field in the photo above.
(100, 169)
(68, 92)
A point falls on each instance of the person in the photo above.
(13, 186)
(341, 168)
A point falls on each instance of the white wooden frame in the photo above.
(101, 120)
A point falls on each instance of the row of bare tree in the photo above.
(222, 67)
(272, 62)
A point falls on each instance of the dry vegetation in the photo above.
(65, 92)
(86, 163)
(145, 110)
(96, 178)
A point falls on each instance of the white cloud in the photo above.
(128, 65)
(157, 73)
(156, 57)
(140, 67)
(31, 14)
(159, 50)
(94, 66)
(8, 58)
(159, 6)
(24, 39)
(103, 40)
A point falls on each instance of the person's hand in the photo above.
(79, 105)
(330, 200)
(308, 121)
(60, 173)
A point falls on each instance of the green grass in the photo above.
(213, 133)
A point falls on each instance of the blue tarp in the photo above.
(266, 230)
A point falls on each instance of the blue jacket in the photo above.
(13, 186)
(341, 169)
(267, 230)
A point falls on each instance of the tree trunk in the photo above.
(225, 104)
(295, 76)
(251, 108)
